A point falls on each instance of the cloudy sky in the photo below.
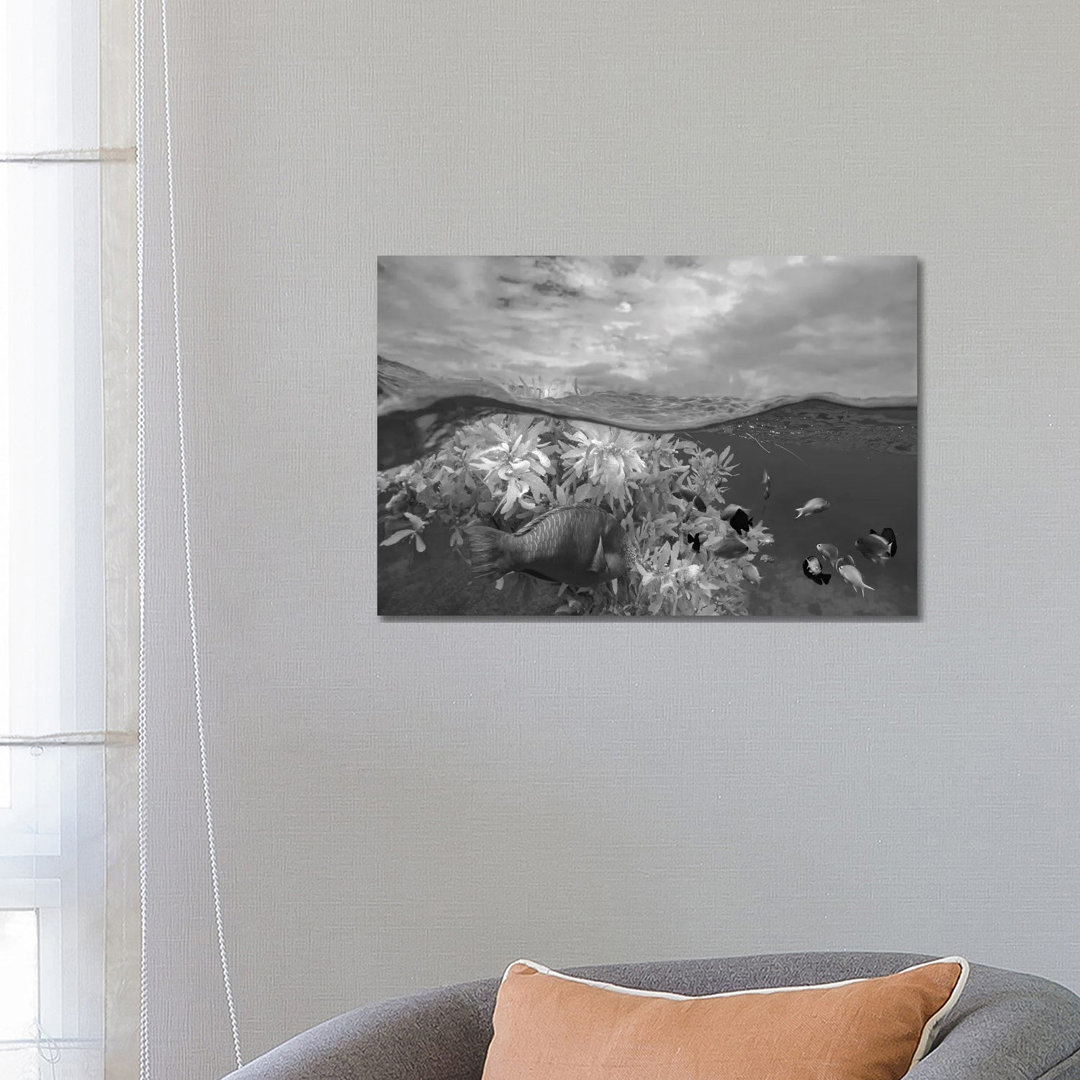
(752, 328)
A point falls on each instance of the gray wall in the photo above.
(403, 804)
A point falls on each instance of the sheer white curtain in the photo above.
(54, 197)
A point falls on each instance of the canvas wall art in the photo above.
(651, 436)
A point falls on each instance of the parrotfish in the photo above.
(814, 506)
(579, 545)
(851, 575)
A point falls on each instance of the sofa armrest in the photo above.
(1007, 1026)
(440, 1034)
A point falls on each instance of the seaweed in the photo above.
(506, 468)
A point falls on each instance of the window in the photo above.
(52, 848)
(19, 947)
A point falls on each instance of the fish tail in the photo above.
(798, 512)
(488, 556)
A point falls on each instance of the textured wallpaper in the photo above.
(407, 803)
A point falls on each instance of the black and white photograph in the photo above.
(648, 436)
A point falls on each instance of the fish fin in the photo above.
(597, 563)
(538, 576)
(798, 512)
(488, 556)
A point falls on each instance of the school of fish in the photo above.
(876, 547)
(584, 546)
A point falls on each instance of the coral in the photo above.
(667, 491)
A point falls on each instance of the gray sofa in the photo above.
(1006, 1026)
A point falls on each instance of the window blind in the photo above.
(62, 202)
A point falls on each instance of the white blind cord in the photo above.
(207, 803)
(140, 199)
(140, 214)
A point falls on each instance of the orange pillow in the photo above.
(550, 1026)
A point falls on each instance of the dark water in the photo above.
(861, 459)
(867, 490)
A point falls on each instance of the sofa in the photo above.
(1006, 1025)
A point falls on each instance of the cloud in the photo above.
(754, 327)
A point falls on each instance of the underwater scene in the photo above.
(659, 436)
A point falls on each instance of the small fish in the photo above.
(890, 538)
(752, 573)
(870, 549)
(811, 567)
(875, 542)
(742, 522)
(766, 485)
(830, 551)
(766, 558)
(877, 547)
(849, 572)
(690, 495)
(737, 517)
(731, 548)
(694, 541)
(814, 506)
(579, 545)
